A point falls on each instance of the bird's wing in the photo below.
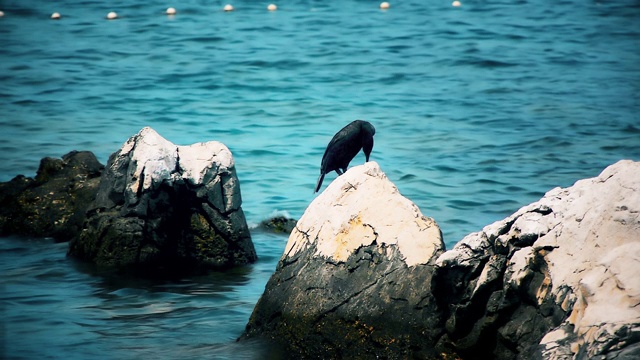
(340, 144)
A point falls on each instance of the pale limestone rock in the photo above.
(575, 255)
(156, 160)
(362, 207)
(355, 278)
(598, 253)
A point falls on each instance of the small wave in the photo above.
(260, 29)
(485, 63)
(514, 188)
(501, 204)
(446, 169)
(264, 152)
(20, 67)
(545, 141)
(464, 204)
(26, 102)
(277, 64)
(408, 177)
(489, 182)
(395, 78)
(458, 221)
(616, 148)
(205, 39)
(631, 129)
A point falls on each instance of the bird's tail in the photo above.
(320, 179)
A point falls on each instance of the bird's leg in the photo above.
(339, 172)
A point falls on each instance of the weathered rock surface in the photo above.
(164, 206)
(355, 276)
(559, 279)
(364, 274)
(54, 203)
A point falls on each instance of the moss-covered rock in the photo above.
(54, 203)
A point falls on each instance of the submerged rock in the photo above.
(278, 224)
(355, 277)
(559, 279)
(54, 203)
(364, 274)
(163, 206)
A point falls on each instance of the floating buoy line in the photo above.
(171, 11)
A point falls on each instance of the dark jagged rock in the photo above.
(166, 207)
(558, 279)
(54, 203)
(354, 281)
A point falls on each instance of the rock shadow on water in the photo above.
(180, 281)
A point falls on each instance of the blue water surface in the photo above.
(479, 110)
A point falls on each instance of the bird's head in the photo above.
(367, 132)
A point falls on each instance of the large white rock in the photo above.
(596, 252)
(558, 279)
(577, 248)
(341, 220)
(355, 278)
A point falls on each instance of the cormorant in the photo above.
(344, 146)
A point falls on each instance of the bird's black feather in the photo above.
(344, 146)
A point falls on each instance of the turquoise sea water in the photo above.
(479, 110)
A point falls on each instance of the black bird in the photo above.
(344, 146)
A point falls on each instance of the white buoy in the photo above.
(456, 3)
(384, 5)
(56, 16)
(171, 11)
(1, 13)
(272, 7)
(228, 7)
(112, 15)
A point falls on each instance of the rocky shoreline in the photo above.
(364, 274)
(156, 208)
(558, 279)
